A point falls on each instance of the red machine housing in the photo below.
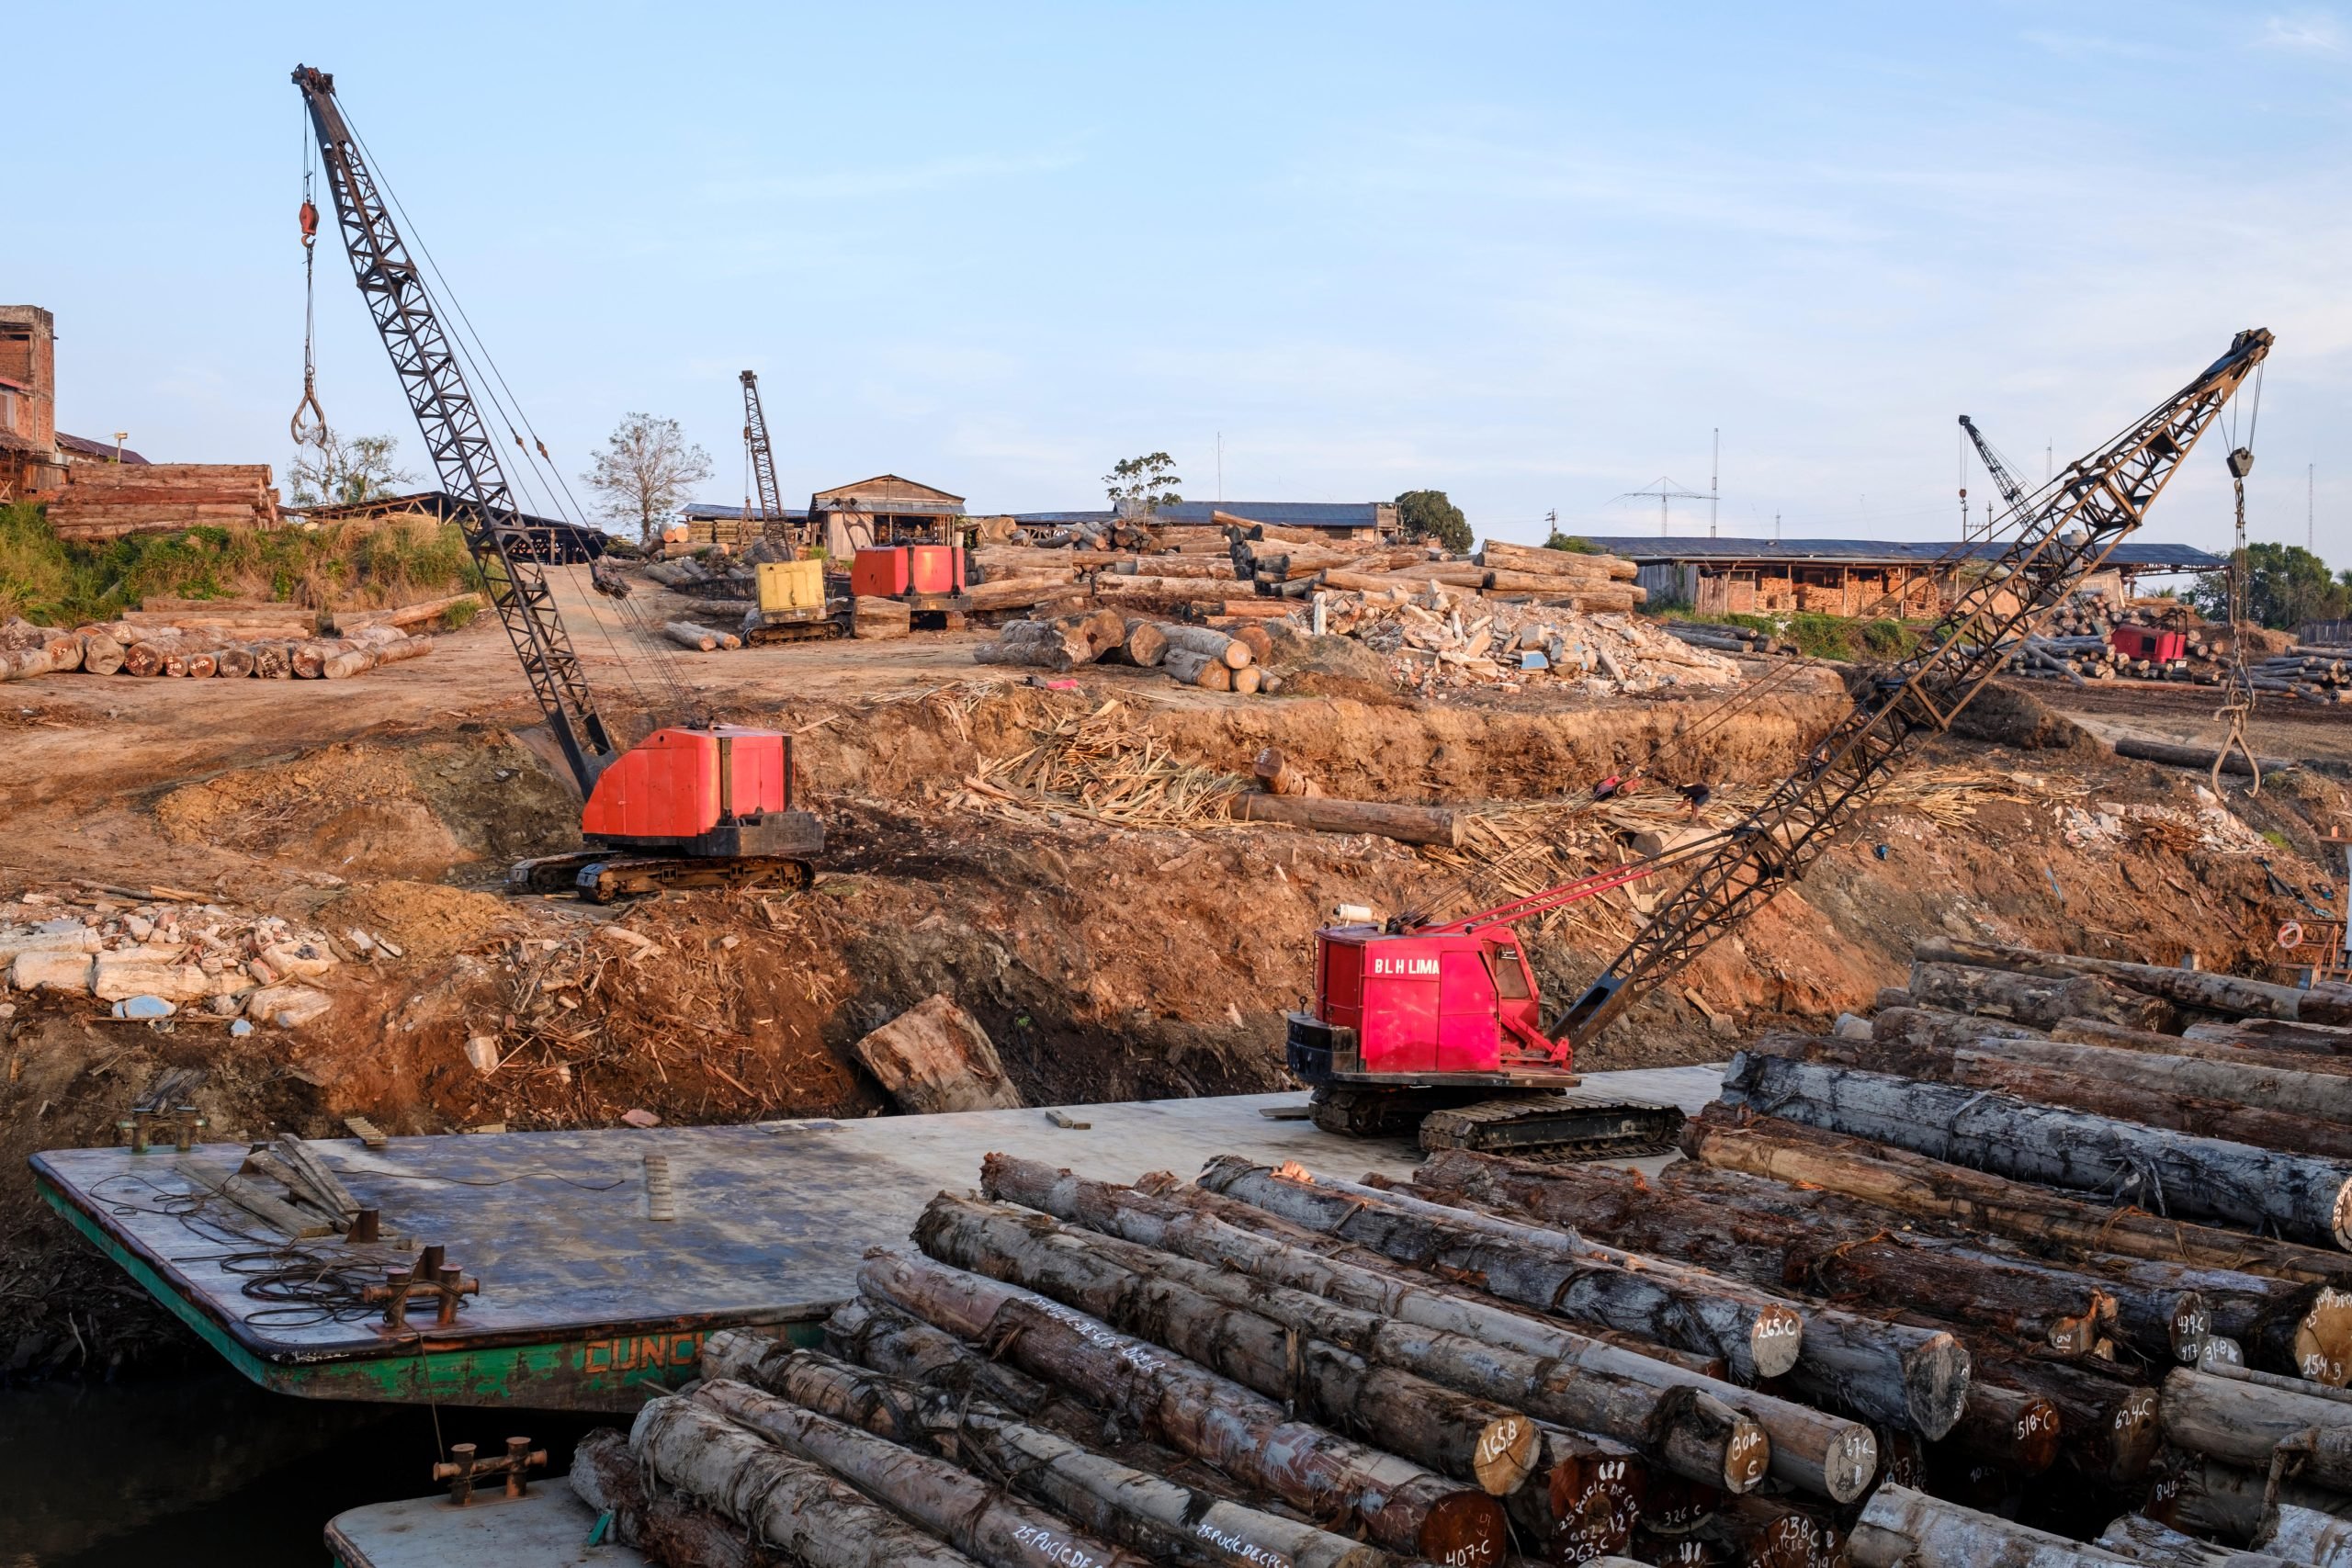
(718, 792)
(2147, 642)
(1444, 1005)
(894, 572)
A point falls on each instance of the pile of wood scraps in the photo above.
(1434, 645)
(1108, 764)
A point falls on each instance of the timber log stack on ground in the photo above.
(107, 500)
(2044, 1263)
(212, 638)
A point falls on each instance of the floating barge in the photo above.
(588, 1301)
(548, 1528)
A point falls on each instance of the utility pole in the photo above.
(2310, 481)
(1776, 527)
(1714, 479)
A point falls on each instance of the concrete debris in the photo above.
(117, 951)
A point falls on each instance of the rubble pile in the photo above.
(153, 957)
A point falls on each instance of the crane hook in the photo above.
(306, 430)
(309, 217)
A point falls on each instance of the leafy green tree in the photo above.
(1143, 485)
(1428, 515)
(1574, 544)
(2285, 586)
(332, 471)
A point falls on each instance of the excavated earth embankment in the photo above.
(1060, 861)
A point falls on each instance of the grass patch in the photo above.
(1848, 639)
(346, 566)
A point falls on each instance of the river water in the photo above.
(206, 1470)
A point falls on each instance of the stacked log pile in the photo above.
(1206, 656)
(2124, 1189)
(2076, 643)
(205, 647)
(1508, 614)
(108, 501)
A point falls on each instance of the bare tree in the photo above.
(645, 471)
(332, 471)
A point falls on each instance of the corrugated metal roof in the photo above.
(1288, 513)
(2134, 555)
(711, 512)
(89, 448)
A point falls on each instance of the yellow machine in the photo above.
(791, 602)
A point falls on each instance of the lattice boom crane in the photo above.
(1428, 1024)
(687, 806)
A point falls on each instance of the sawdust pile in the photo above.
(426, 920)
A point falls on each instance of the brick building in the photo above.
(28, 459)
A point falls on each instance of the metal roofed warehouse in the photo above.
(1845, 577)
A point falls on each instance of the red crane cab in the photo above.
(1440, 1006)
(718, 792)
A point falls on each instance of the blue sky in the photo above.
(1527, 255)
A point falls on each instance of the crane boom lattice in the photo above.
(464, 456)
(2075, 523)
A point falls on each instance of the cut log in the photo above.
(887, 1340)
(1281, 776)
(935, 1056)
(1898, 1179)
(788, 1502)
(1249, 680)
(874, 618)
(2190, 988)
(974, 1516)
(1903, 1528)
(425, 611)
(2301, 1534)
(1230, 651)
(1141, 1510)
(1407, 824)
(1912, 1380)
(1537, 558)
(1901, 1023)
(101, 654)
(1131, 1288)
(233, 663)
(2306, 1199)
(272, 661)
(1036, 653)
(2031, 999)
(1592, 1387)
(2140, 1538)
(1145, 644)
(2015, 1432)
(686, 634)
(2135, 1086)
(1016, 592)
(2240, 1421)
(666, 1529)
(1400, 1506)
(2089, 1031)
(1192, 668)
(2288, 1324)
(1758, 1336)
(1255, 638)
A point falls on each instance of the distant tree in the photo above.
(1575, 544)
(1428, 515)
(332, 471)
(2285, 585)
(645, 470)
(1143, 484)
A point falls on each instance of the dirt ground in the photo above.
(1128, 952)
